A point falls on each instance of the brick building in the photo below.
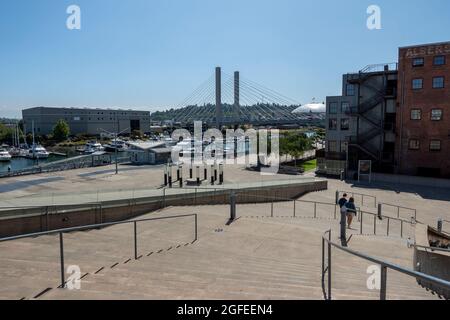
(423, 111)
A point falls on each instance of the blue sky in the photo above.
(151, 54)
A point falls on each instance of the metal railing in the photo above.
(376, 217)
(365, 198)
(61, 232)
(398, 209)
(272, 200)
(327, 270)
(431, 249)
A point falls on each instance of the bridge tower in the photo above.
(219, 114)
(236, 96)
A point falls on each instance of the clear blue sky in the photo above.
(151, 54)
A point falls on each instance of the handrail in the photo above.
(95, 226)
(339, 192)
(384, 267)
(381, 204)
(431, 248)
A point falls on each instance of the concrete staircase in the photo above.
(256, 257)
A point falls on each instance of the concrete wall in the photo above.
(24, 221)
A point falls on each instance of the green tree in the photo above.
(61, 131)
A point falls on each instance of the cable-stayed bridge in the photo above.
(226, 100)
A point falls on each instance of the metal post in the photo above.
(271, 209)
(116, 155)
(380, 215)
(383, 282)
(164, 198)
(135, 241)
(375, 225)
(323, 259)
(329, 269)
(295, 203)
(232, 206)
(196, 228)
(398, 212)
(315, 210)
(197, 173)
(337, 197)
(61, 255)
(361, 227)
(388, 224)
(401, 228)
(335, 211)
(205, 173)
(165, 175)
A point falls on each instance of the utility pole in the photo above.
(116, 134)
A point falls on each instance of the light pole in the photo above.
(115, 134)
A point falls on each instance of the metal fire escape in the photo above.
(362, 139)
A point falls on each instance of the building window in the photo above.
(333, 146)
(350, 89)
(414, 144)
(418, 62)
(438, 82)
(439, 60)
(332, 124)
(333, 108)
(436, 114)
(417, 84)
(435, 145)
(345, 124)
(345, 107)
(416, 114)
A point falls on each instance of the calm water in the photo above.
(22, 163)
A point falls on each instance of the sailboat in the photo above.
(36, 151)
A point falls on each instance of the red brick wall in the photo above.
(426, 99)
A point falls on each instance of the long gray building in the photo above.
(85, 121)
(361, 122)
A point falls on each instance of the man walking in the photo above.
(343, 209)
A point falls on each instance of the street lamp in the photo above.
(115, 134)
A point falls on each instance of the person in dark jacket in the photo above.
(343, 209)
(351, 211)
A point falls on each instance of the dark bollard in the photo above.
(232, 206)
(205, 172)
(170, 176)
(181, 182)
(178, 173)
(165, 179)
(221, 173)
(190, 172)
(215, 174)
(197, 174)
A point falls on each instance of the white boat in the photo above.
(118, 145)
(92, 147)
(5, 156)
(37, 152)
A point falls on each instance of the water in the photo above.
(22, 163)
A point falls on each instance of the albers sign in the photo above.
(428, 50)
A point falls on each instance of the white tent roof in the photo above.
(311, 107)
